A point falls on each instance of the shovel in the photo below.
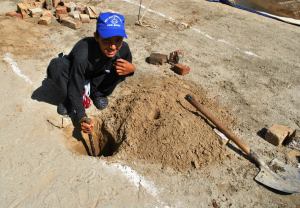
(88, 120)
(277, 175)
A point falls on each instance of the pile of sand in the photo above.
(152, 121)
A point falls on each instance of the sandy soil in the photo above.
(151, 121)
(245, 69)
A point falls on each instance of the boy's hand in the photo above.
(124, 67)
(87, 125)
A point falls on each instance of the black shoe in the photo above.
(62, 109)
(100, 102)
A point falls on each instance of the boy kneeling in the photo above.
(103, 60)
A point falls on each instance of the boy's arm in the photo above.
(76, 87)
(79, 56)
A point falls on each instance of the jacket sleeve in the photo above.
(79, 57)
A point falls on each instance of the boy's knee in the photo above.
(57, 67)
(51, 69)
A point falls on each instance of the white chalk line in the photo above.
(14, 66)
(137, 180)
(249, 53)
(130, 174)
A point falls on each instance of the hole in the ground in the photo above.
(109, 144)
(104, 142)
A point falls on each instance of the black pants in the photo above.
(59, 72)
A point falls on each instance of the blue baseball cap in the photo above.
(111, 24)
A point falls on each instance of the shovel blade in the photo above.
(280, 176)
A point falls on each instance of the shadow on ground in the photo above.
(47, 93)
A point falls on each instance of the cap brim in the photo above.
(111, 33)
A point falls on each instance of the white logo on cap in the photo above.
(113, 21)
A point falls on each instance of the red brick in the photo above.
(60, 17)
(61, 10)
(181, 69)
(276, 134)
(71, 23)
(157, 58)
(91, 11)
(45, 20)
(84, 18)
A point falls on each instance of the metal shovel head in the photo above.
(279, 176)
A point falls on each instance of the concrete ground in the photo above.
(249, 64)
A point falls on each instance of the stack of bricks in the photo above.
(65, 11)
(173, 59)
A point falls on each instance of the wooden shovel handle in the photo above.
(218, 124)
(88, 120)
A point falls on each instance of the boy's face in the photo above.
(109, 46)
